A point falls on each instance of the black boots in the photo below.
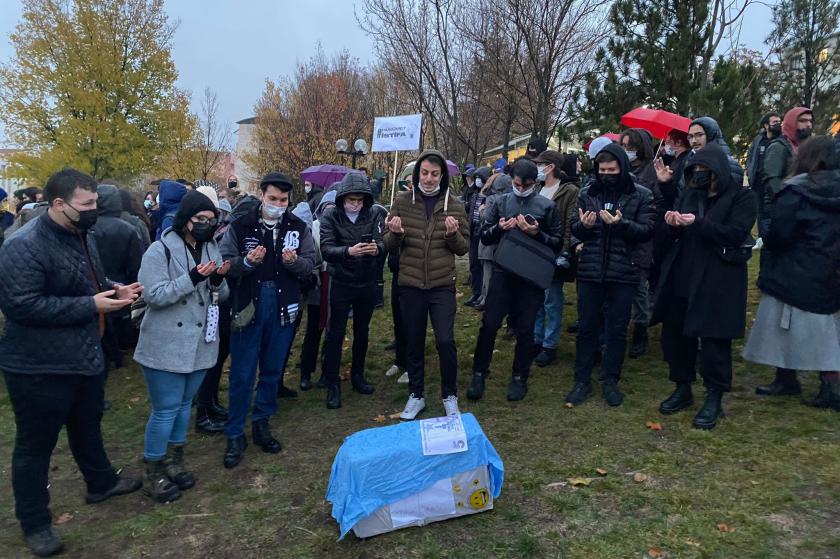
(334, 396)
(234, 451)
(361, 385)
(639, 343)
(711, 411)
(125, 484)
(285, 392)
(305, 381)
(517, 388)
(205, 422)
(44, 542)
(173, 467)
(785, 384)
(579, 393)
(827, 398)
(546, 357)
(612, 395)
(156, 484)
(679, 399)
(476, 389)
(262, 437)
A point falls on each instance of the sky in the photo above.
(233, 46)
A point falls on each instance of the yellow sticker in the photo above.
(479, 498)
(456, 489)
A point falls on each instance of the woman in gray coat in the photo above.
(183, 275)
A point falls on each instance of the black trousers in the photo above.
(343, 298)
(400, 359)
(476, 267)
(509, 296)
(602, 308)
(208, 392)
(418, 306)
(311, 341)
(681, 351)
(43, 404)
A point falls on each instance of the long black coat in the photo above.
(717, 300)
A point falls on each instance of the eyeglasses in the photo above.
(204, 220)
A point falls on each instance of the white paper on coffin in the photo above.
(466, 493)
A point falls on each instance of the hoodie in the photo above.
(444, 177)
(327, 198)
(119, 246)
(789, 126)
(171, 193)
(778, 156)
(714, 135)
(642, 168)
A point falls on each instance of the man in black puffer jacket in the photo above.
(351, 242)
(53, 293)
(615, 218)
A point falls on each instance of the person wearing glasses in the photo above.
(184, 275)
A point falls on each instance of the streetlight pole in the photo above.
(359, 149)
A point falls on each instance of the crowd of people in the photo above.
(199, 274)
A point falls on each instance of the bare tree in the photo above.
(214, 135)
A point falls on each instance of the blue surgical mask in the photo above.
(541, 173)
(273, 213)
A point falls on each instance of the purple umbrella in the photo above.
(325, 175)
(452, 168)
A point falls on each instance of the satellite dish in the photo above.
(341, 145)
(360, 146)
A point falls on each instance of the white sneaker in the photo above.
(450, 404)
(392, 371)
(413, 407)
(759, 242)
(403, 379)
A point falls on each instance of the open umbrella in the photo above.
(611, 135)
(325, 175)
(452, 168)
(655, 121)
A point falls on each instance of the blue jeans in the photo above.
(550, 317)
(171, 395)
(266, 343)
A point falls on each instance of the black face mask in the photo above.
(776, 130)
(803, 133)
(609, 181)
(231, 184)
(702, 180)
(203, 232)
(86, 219)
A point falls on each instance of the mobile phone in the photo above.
(367, 238)
(530, 220)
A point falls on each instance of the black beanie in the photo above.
(192, 203)
(277, 179)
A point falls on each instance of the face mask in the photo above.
(202, 232)
(702, 180)
(541, 173)
(353, 207)
(803, 133)
(522, 193)
(273, 213)
(632, 155)
(776, 130)
(669, 150)
(231, 184)
(479, 183)
(307, 189)
(609, 181)
(86, 219)
(157, 199)
(430, 192)
(147, 204)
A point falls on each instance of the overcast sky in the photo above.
(233, 46)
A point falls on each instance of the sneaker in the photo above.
(403, 378)
(612, 394)
(392, 370)
(450, 404)
(759, 242)
(44, 542)
(580, 392)
(413, 407)
(125, 484)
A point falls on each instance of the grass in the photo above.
(770, 473)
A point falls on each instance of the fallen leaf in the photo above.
(639, 477)
(655, 552)
(459, 294)
(653, 426)
(580, 481)
(395, 415)
(379, 418)
(601, 471)
(569, 405)
(64, 518)
(725, 527)
(692, 542)
(135, 399)
(557, 484)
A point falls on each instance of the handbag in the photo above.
(525, 257)
(739, 254)
(242, 319)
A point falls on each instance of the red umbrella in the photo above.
(611, 135)
(655, 121)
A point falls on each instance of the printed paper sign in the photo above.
(396, 133)
(434, 501)
(443, 435)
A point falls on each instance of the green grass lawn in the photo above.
(764, 484)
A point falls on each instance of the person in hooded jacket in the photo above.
(170, 194)
(473, 202)
(797, 325)
(561, 177)
(705, 130)
(496, 185)
(703, 289)
(184, 275)
(511, 295)
(351, 244)
(615, 218)
(771, 128)
(133, 214)
(314, 193)
(429, 227)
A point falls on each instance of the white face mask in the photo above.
(273, 213)
(670, 150)
(632, 155)
(307, 189)
(353, 207)
(541, 173)
(479, 183)
(522, 193)
(429, 192)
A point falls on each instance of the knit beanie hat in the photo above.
(192, 203)
(210, 192)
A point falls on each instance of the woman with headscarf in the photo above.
(184, 278)
(702, 299)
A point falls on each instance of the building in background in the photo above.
(248, 181)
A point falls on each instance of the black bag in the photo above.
(740, 254)
(525, 257)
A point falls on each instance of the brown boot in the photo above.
(173, 466)
(156, 485)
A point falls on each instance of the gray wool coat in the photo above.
(174, 324)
